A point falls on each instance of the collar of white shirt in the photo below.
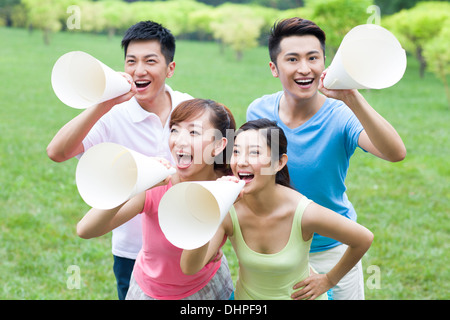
(137, 113)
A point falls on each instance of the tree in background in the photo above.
(46, 15)
(237, 26)
(92, 16)
(338, 17)
(200, 22)
(392, 6)
(7, 8)
(174, 15)
(116, 16)
(437, 55)
(241, 26)
(415, 27)
(276, 4)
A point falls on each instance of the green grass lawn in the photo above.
(406, 205)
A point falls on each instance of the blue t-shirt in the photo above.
(318, 152)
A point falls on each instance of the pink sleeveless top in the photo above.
(157, 269)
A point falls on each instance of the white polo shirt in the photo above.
(129, 125)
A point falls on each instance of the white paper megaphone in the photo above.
(191, 212)
(369, 57)
(109, 174)
(80, 81)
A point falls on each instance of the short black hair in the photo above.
(293, 27)
(149, 30)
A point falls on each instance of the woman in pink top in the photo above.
(198, 140)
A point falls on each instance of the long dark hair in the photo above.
(277, 142)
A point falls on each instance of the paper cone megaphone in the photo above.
(191, 212)
(109, 174)
(80, 81)
(369, 57)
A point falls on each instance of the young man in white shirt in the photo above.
(138, 120)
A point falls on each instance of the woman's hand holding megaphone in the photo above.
(169, 166)
(233, 179)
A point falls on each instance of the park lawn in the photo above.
(406, 204)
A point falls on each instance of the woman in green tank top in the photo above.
(271, 225)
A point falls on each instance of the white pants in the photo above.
(351, 286)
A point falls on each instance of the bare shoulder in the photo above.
(289, 194)
(313, 216)
(315, 212)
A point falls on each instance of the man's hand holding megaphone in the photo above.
(122, 98)
(339, 94)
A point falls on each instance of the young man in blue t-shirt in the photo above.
(323, 131)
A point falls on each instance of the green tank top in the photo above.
(272, 276)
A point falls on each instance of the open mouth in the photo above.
(141, 84)
(304, 82)
(184, 159)
(246, 176)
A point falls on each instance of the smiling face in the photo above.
(299, 66)
(193, 145)
(147, 66)
(251, 160)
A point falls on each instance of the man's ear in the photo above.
(170, 69)
(273, 69)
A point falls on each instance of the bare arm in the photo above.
(192, 261)
(68, 142)
(330, 224)
(98, 222)
(378, 137)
